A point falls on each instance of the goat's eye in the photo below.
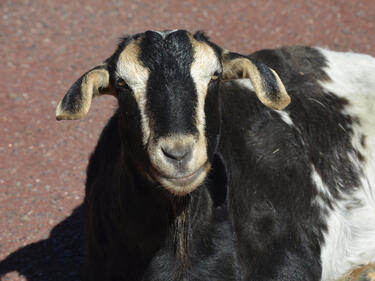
(215, 76)
(122, 84)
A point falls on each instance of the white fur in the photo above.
(285, 117)
(203, 67)
(322, 189)
(164, 34)
(350, 239)
(136, 76)
(246, 83)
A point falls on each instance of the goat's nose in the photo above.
(178, 153)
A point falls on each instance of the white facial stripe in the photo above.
(204, 65)
(130, 68)
(136, 75)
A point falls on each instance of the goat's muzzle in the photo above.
(179, 163)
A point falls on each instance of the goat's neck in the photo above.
(164, 220)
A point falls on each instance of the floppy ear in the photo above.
(267, 84)
(77, 101)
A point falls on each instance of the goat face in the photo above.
(167, 85)
(167, 75)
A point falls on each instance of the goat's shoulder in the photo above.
(298, 64)
(318, 108)
(294, 64)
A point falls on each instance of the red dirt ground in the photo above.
(46, 45)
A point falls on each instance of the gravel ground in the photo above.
(46, 45)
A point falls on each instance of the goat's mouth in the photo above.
(184, 184)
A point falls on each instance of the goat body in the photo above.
(202, 175)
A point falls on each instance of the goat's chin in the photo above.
(181, 186)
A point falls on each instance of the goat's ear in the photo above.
(77, 101)
(267, 84)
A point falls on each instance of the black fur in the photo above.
(133, 225)
(72, 100)
(269, 82)
(136, 230)
(279, 230)
(171, 95)
(252, 219)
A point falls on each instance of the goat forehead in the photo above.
(165, 33)
(169, 73)
(171, 54)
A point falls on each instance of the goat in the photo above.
(196, 178)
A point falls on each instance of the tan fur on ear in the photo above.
(284, 100)
(242, 67)
(90, 84)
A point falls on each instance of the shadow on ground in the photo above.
(58, 258)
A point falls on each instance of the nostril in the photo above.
(177, 153)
